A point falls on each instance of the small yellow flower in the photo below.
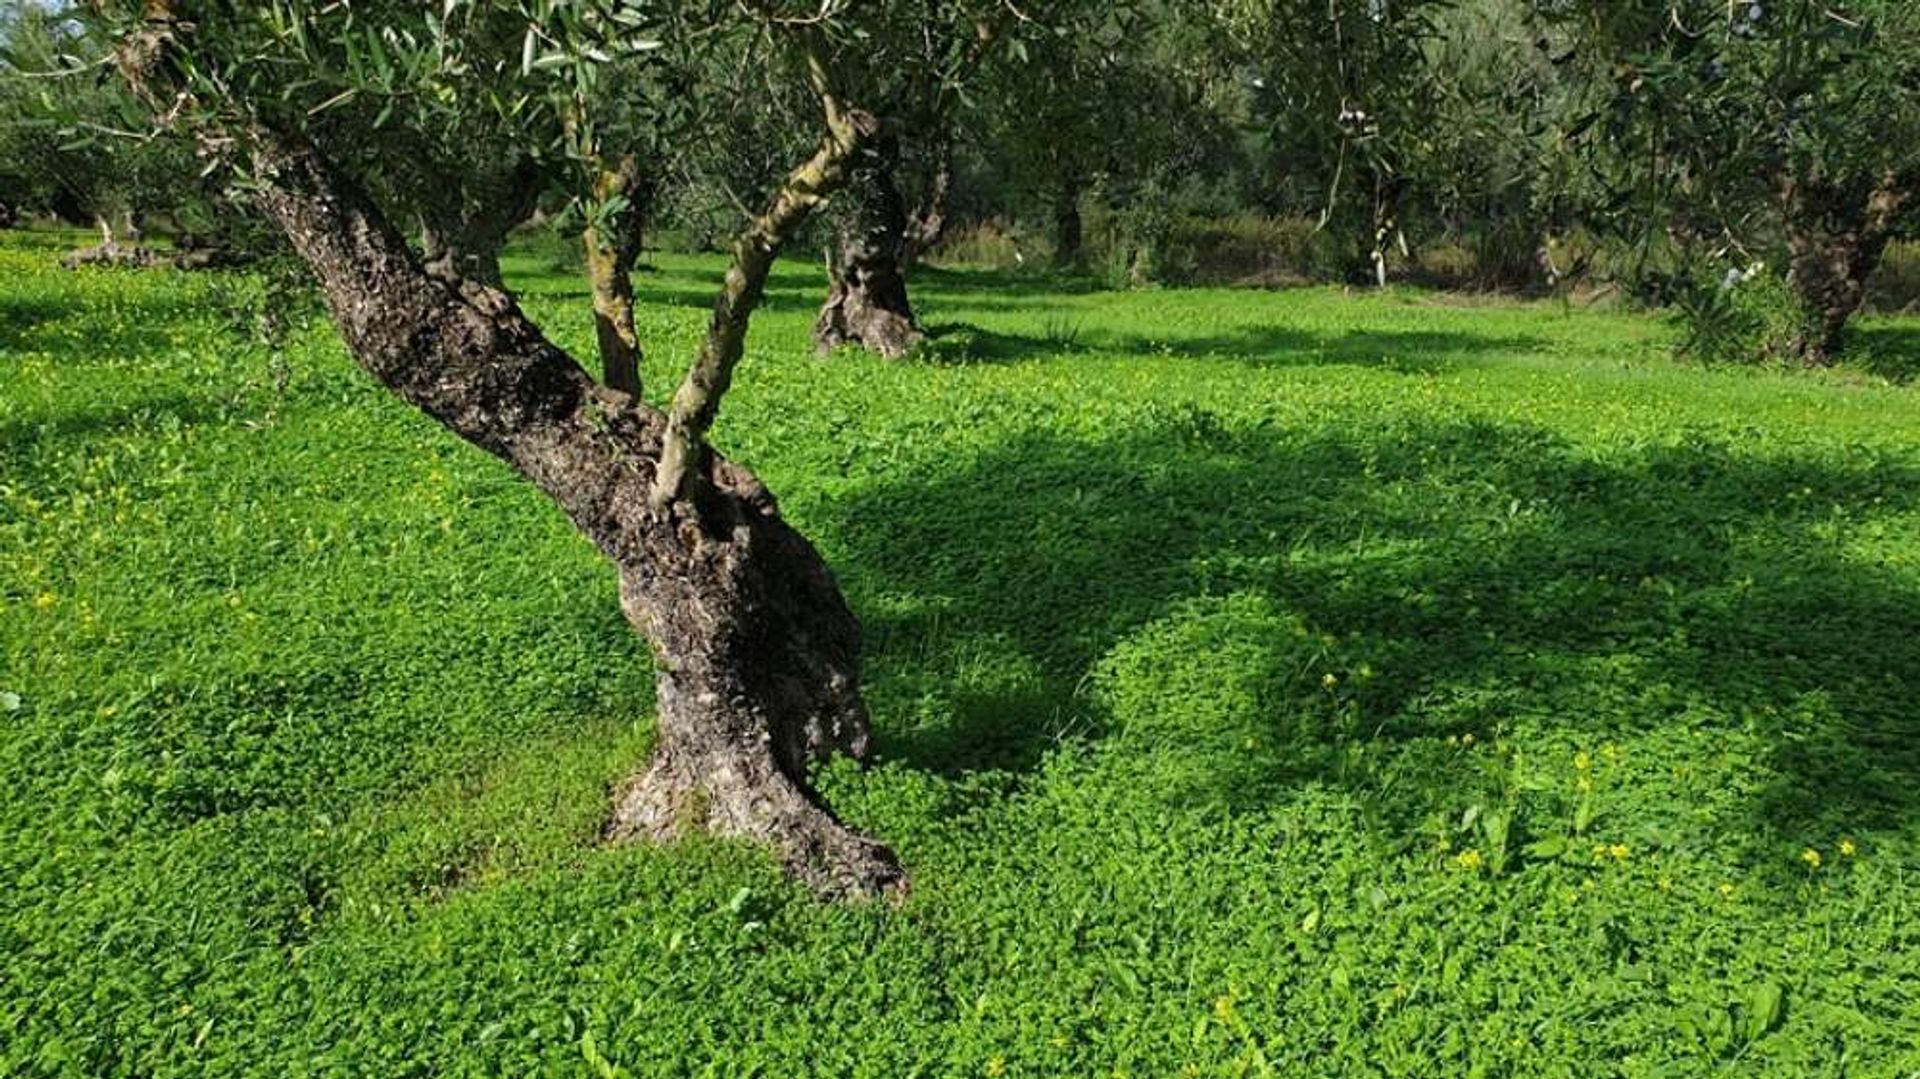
(1618, 851)
(1468, 859)
(45, 600)
(1223, 1009)
(1584, 784)
(1582, 761)
(1847, 849)
(1811, 857)
(1466, 739)
(996, 1066)
(1329, 679)
(1726, 890)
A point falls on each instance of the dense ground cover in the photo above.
(1268, 683)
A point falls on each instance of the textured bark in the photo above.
(1836, 235)
(758, 652)
(611, 252)
(867, 302)
(460, 240)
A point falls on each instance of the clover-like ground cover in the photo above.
(1267, 683)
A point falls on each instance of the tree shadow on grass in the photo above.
(1891, 352)
(1261, 346)
(83, 333)
(1452, 577)
(98, 421)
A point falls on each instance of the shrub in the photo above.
(1746, 315)
(995, 244)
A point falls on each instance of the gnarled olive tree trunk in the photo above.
(1836, 235)
(758, 652)
(867, 301)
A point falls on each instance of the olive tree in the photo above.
(917, 56)
(758, 652)
(1122, 99)
(67, 140)
(1778, 132)
(1344, 98)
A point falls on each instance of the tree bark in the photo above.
(758, 652)
(867, 302)
(612, 248)
(1835, 240)
(1068, 234)
(463, 242)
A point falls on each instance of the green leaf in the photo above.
(1765, 1007)
(1547, 849)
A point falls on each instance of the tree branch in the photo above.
(697, 401)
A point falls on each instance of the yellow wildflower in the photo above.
(1329, 679)
(1468, 859)
(1466, 739)
(1726, 890)
(1618, 851)
(1847, 849)
(45, 600)
(1811, 857)
(1582, 761)
(996, 1066)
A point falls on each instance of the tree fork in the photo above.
(758, 650)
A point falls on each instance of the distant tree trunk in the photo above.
(110, 251)
(758, 652)
(867, 301)
(1386, 225)
(611, 252)
(1068, 233)
(1836, 235)
(929, 221)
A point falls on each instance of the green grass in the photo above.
(1267, 683)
